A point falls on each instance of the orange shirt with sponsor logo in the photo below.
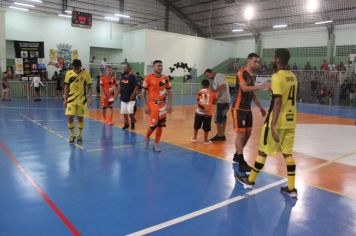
(206, 99)
(157, 87)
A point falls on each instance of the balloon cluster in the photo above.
(183, 66)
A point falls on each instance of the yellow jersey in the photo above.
(284, 84)
(77, 86)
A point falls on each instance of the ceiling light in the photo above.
(23, 4)
(312, 5)
(39, 1)
(67, 11)
(280, 26)
(324, 22)
(240, 24)
(249, 12)
(237, 30)
(18, 8)
(111, 18)
(62, 15)
(121, 15)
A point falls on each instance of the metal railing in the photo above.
(322, 87)
(23, 89)
(186, 88)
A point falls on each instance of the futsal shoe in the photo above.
(238, 157)
(72, 139)
(244, 181)
(125, 126)
(244, 167)
(79, 140)
(156, 147)
(217, 138)
(292, 193)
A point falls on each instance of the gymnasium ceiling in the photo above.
(206, 18)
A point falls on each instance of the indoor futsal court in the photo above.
(161, 117)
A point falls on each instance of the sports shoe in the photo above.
(238, 157)
(218, 138)
(79, 140)
(126, 126)
(244, 181)
(208, 142)
(132, 125)
(194, 140)
(72, 139)
(156, 147)
(244, 167)
(292, 193)
(215, 138)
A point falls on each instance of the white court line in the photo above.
(206, 210)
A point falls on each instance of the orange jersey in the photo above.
(206, 99)
(157, 87)
(108, 84)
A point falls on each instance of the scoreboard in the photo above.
(82, 19)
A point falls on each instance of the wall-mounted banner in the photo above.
(18, 66)
(63, 56)
(29, 53)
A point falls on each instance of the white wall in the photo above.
(112, 55)
(295, 38)
(2, 41)
(198, 52)
(54, 30)
(345, 34)
(134, 46)
(313, 37)
(244, 47)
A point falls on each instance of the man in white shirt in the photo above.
(221, 87)
(36, 83)
(352, 57)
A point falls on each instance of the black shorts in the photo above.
(202, 121)
(37, 89)
(221, 111)
(243, 120)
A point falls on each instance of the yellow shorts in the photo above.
(270, 147)
(76, 110)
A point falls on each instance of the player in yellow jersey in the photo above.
(77, 94)
(279, 128)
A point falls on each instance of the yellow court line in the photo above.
(115, 147)
(330, 162)
(51, 131)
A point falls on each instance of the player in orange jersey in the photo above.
(206, 99)
(155, 89)
(108, 94)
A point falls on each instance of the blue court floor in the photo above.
(112, 185)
